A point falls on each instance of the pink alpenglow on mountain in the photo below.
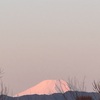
(47, 87)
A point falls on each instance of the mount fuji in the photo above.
(47, 87)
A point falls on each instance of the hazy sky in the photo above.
(49, 39)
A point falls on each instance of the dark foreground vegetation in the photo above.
(70, 95)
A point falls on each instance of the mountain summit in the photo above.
(47, 87)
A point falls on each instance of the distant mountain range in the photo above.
(69, 95)
(52, 90)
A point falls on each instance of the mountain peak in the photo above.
(47, 87)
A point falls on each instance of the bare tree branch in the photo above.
(96, 86)
(3, 88)
(75, 85)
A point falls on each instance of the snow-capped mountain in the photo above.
(47, 87)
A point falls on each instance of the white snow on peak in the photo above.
(47, 87)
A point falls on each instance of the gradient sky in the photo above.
(49, 39)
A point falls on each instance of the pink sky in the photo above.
(49, 39)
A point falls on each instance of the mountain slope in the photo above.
(47, 87)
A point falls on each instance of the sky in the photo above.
(49, 39)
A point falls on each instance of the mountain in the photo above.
(47, 87)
